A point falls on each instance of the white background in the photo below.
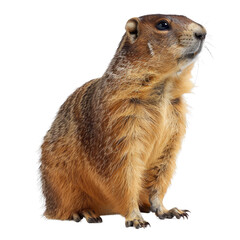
(49, 48)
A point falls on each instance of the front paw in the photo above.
(137, 223)
(174, 212)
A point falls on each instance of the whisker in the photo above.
(209, 44)
(197, 73)
(209, 51)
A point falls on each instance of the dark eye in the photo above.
(163, 25)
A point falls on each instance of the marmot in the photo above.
(113, 145)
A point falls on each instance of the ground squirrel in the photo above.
(112, 147)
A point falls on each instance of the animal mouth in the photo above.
(193, 54)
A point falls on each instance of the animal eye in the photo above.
(163, 25)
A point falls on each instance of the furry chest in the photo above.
(168, 124)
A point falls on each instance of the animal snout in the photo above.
(193, 36)
(200, 35)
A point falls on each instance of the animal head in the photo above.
(162, 43)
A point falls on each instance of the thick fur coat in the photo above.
(113, 145)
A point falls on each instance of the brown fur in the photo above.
(113, 145)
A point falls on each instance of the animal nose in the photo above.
(200, 35)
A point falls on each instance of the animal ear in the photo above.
(132, 29)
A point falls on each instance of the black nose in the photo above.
(200, 35)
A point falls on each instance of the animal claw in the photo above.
(174, 212)
(137, 223)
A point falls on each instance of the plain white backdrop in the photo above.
(49, 48)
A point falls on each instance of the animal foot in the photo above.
(137, 223)
(91, 216)
(76, 217)
(174, 212)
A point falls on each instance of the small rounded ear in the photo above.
(132, 29)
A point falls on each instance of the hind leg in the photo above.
(64, 199)
(91, 216)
